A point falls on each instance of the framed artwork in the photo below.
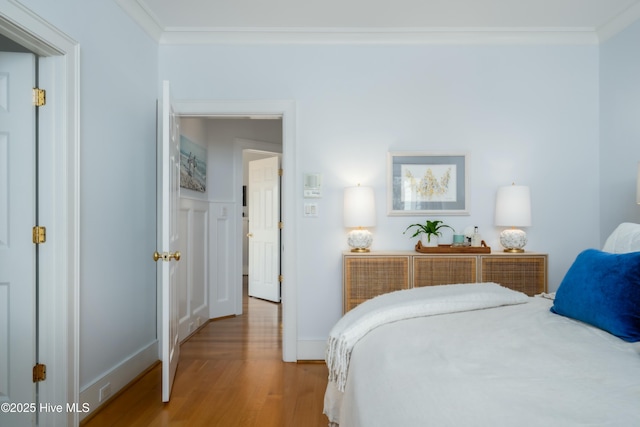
(193, 165)
(427, 184)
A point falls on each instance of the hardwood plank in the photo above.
(230, 374)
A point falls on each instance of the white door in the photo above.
(264, 230)
(168, 254)
(17, 251)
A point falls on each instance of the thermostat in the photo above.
(312, 185)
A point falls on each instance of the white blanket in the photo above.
(517, 365)
(625, 238)
(407, 304)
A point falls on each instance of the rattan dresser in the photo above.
(366, 275)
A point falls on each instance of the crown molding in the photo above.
(440, 36)
(143, 17)
(150, 23)
(619, 23)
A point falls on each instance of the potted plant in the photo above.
(428, 232)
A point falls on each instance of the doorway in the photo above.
(286, 110)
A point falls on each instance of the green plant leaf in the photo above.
(429, 228)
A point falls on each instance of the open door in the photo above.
(264, 229)
(18, 262)
(167, 254)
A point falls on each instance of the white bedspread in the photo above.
(517, 365)
(406, 304)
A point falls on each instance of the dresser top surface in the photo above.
(416, 253)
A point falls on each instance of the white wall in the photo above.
(118, 88)
(619, 129)
(524, 114)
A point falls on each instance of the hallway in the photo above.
(230, 373)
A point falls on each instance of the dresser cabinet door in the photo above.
(366, 277)
(444, 270)
(527, 274)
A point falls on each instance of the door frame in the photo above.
(286, 109)
(60, 205)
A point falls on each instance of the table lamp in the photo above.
(359, 212)
(513, 209)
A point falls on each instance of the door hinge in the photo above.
(281, 278)
(39, 97)
(39, 234)
(39, 373)
(280, 172)
(280, 225)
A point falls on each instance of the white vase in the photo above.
(424, 239)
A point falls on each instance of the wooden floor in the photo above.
(230, 373)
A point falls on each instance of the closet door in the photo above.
(18, 258)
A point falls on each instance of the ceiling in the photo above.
(184, 21)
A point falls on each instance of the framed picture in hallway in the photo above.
(427, 184)
(193, 165)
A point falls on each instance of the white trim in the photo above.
(619, 23)
(25, 28)
(118, 377)
(287, 109)
(60, 312)
(405, 36)
(355, 35)
(311, 349)
(146, 19)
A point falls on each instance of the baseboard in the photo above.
(311, 349)
(195, 331)
(118, 378)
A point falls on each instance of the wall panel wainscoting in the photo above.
(193, 294)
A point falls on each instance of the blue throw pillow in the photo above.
(603, 289)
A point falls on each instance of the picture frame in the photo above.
(421, 183)
(193, 165)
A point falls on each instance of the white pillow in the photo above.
(625, 238)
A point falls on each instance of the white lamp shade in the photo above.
(513, 206)
(359, 207)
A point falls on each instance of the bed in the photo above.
(484, 355)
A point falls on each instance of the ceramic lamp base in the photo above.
(513, 240)
(359, 240)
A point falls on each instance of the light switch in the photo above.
(311, 209)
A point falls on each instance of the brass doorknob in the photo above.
(166, 256)
(249, 234)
